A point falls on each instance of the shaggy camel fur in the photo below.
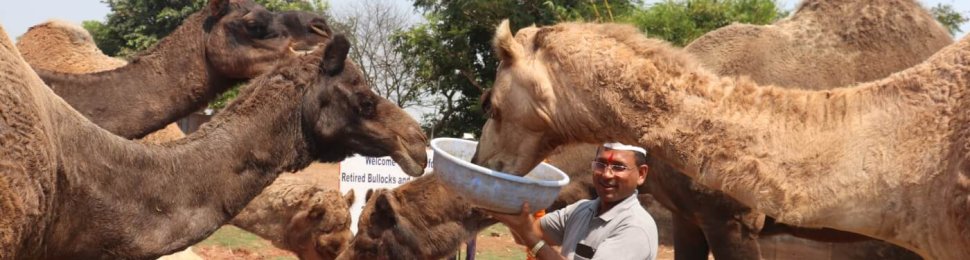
(69, 189)
(885, 159)
(227, 42)
(300, 217)
(823, 44)
(65, 47)
(417, 220)
(280, 209)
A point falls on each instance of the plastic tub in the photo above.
(489, 189)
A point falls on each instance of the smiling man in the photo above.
(613, 226)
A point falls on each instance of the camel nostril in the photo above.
(500, 166)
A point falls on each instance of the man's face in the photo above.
(615, 174)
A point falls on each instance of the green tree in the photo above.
(949, 18)
(680, 22)
(453, 52)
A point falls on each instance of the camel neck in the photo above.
(158, 198)
(156, 88)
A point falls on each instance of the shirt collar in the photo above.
(619, 208)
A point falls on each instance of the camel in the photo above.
(227, 42)
(417, 220)
(280, 209)
(884, 159)
(70, 189)
(312, 222)
(823, 44)
(65, 47)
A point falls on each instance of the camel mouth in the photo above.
(319, 31)
(411, 157)
(303, 51)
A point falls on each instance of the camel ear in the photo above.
(384, 216)
(506, 47)
(335, 54)
(349, 197)
(218, 8)
(316, 213)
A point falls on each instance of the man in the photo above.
(613, 226)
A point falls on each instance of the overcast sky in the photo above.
(18, 15)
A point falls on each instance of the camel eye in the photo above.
(256, 29)
(367, 107)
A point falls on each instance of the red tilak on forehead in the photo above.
(609, 161)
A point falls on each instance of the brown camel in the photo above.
(65, 47)
(312, 222)
(417, 220)
(885, 159)
(280, 209)
(227, 42)
(69, 189)
(824, 44)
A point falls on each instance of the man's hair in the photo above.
(640, 159)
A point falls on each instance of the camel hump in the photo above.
(65, 47)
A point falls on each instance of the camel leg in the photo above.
(689, 241)
(731, 239)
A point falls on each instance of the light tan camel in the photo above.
(62, 46)
(312, 222)
(69, 189)
(824, 44)
(280, 209)
(885, 159)
(220, 46)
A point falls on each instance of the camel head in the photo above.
(555, 86)
(344, 116)
(520, 106)
(322, 229)
(244, 40)
(381, 232)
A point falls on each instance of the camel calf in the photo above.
(418, 220)
(312, 222)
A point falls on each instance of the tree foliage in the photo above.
(680, 22)
(949, 18)
(371, 26)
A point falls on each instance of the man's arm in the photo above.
(528, 232)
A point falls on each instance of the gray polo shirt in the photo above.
(626, 231)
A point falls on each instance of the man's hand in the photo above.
(522, 225)
(526, 230)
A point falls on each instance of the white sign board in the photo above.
(360, 174)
